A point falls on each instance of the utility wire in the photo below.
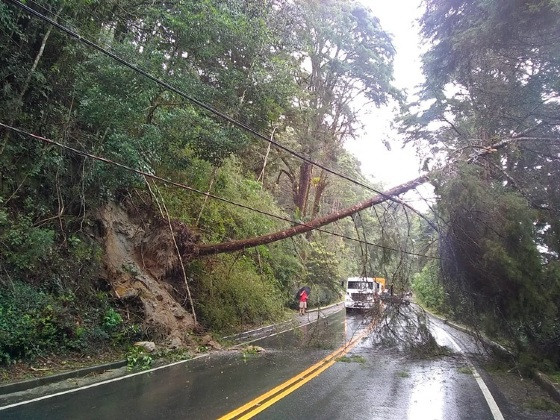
(188, 188)
(213, 110)
(192, 99)
(203, 105)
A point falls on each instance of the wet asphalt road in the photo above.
(385, 383)
(378, 382)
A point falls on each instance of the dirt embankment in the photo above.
(141, 265)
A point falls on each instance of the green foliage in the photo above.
(25, 247)
(428, 288)
(285, 267)
(112, 320)
(492, 268)
(251, 350)
(32, 322)
(355, 358)
(221, 221)
(323, 274)
(501, 246)
(466, 370)
(242, 58)
(137, 358)
(542, 404)
(232, 294)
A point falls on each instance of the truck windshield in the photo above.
(360, 285)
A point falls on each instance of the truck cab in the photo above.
(361, 292)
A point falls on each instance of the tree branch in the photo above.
(314, 224)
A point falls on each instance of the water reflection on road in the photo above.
(374, 382)
(381, 379)
(426, 396)
(319, 332)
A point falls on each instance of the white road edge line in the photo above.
(70, 391)
(482, 385)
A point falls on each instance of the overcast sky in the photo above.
(396, 166)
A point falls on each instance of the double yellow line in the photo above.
(264, 401)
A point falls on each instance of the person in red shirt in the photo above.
(302, 302)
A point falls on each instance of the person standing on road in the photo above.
(302, 302)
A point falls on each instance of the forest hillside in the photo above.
(169, 169)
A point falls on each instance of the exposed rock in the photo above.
(179, 313)
(176, 343)
(136, 263)
(124, 292)
(189, 341)
(208, 341)
(149, 346)
(214, 344)
(205, 340)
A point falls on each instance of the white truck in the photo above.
(361, 292)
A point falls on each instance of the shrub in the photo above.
(428, 288)
(231, 293)
(137, 358)
(27, 322)
(112, 320)
(34, 322)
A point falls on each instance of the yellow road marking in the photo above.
(265, 400)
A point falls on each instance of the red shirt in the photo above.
(303, 297)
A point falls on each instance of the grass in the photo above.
(351, 359)
(466, 370)
(554, 377)
(252, 350)
(175, 355)
(403, 374)
(498, 366)
(542, 404)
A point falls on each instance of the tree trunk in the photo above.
(333, 217)
(319, 190)
(23, 91)
(300, 200)
(314, 224)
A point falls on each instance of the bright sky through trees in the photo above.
(397, 165)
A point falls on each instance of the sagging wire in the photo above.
(191, 189)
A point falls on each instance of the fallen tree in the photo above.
(237, 245)
(207, 249)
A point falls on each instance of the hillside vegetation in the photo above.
(139, 140)
(94, 254)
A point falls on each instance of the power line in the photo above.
(192, 99)
(201, 104)
(188, 188)
(213, 110)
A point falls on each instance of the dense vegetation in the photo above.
(493, 84)
(486, 123)
(288, 69)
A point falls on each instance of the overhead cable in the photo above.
(212, 110)
(191, 99)
(188, 188)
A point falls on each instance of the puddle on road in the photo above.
(325, 334)
(427, 396)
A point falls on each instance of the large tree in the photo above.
(493, 73)
(344, 62)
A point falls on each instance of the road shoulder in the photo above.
(534, 397)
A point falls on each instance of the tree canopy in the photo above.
(296, 72)
(492, 76)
